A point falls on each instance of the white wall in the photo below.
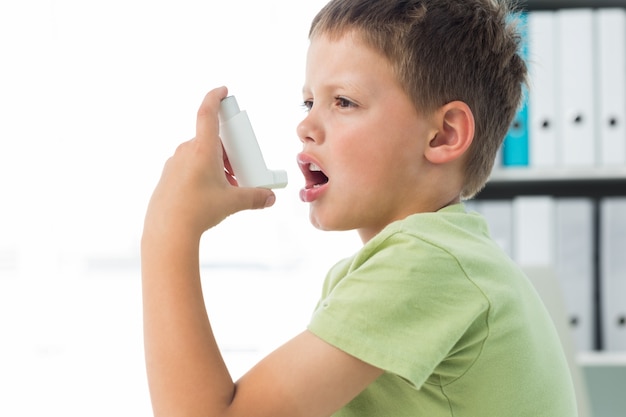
(94, 96)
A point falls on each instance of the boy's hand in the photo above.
(187, 375)
(196, 190)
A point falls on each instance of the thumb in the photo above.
(254, 198)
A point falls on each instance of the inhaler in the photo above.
(243, 150)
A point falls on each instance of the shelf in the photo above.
(507, 183)
(558, 174)
(568, 4)
(599, 359)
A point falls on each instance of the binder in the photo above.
(498, 161)
(534, 231)
(515, 145)
(575, 266)
(499, 217)
(610, 44)
(613, 272)
(542, 110)
(575, 71)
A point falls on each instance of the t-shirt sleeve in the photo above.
(402, 305)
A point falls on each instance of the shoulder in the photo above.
(403, 286)
(447, 237)
(416, 261)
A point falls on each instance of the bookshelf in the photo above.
(506, 183)
(604, 371)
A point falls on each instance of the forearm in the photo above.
(186, 373)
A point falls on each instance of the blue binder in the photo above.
(515, 145)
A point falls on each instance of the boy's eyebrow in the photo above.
(351, 86)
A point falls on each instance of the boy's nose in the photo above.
(307, 130)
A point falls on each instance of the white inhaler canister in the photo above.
(243, 150)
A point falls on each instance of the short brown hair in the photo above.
(441, 51)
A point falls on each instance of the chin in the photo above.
(329, 224)
(320, 225)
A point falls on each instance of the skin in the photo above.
(384, 161)
(371, 142)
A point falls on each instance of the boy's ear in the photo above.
(454, 134)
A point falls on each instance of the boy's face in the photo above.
(365, 135)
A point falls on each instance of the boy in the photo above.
(407, 104)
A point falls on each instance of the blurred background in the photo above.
(94, 97)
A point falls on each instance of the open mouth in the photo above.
(315, 177)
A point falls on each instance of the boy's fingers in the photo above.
(207, 127)
(255, 198)
(207, 122)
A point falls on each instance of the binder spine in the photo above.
(515, 145)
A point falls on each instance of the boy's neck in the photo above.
(366, 234)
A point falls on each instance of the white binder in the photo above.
(610, 46)
(613, 272)
(534, 231)
(575, 266)
(542, 110)
(499, 217)
(576, 87)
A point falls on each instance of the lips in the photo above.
(315, 178)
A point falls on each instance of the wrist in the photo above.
(166, 234)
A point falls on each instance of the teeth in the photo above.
(313, 167)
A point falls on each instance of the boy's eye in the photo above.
(344, 102)
(340, 102)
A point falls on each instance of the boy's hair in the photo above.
(442, 51)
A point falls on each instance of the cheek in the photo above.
(378, 155)
(361, 163)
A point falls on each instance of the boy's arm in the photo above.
(186, 373)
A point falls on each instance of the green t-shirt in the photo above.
(456, 326)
